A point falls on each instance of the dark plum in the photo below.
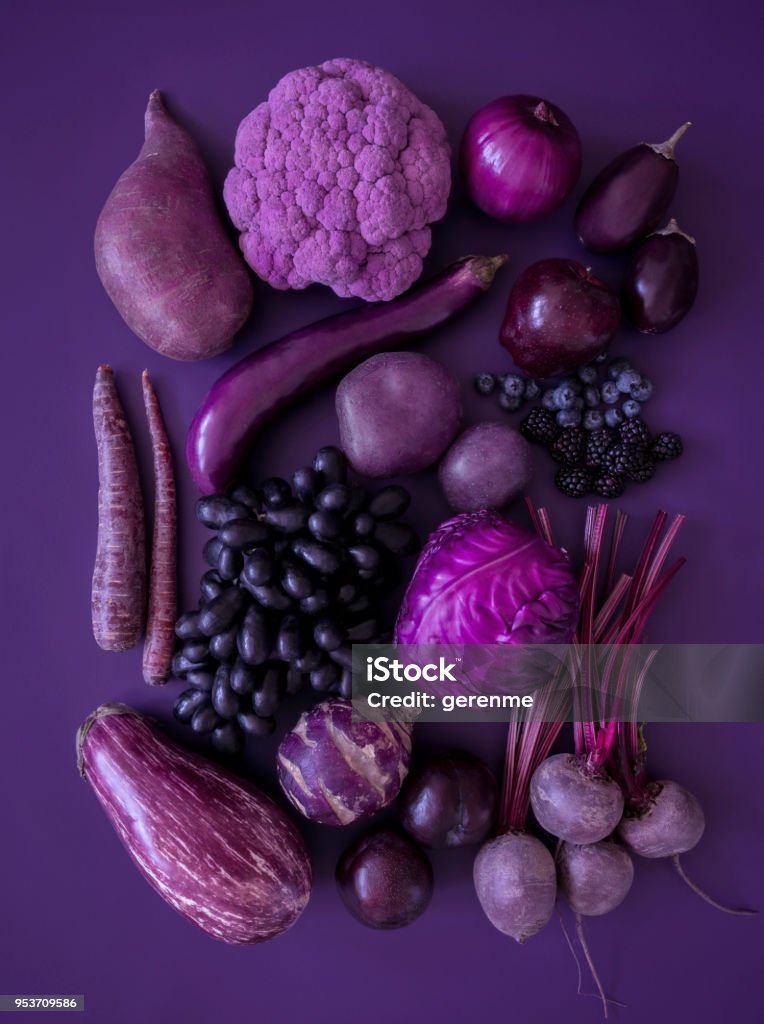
(661, 280)
(629, 198)
(559, 316)
(385, 880)
(449, 800)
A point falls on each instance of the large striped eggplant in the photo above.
(219, 851)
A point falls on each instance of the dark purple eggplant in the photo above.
(213, 846)
(275, 376)
(629, 198)
(661, 281)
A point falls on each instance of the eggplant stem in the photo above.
(672, 228)
(115, 708)
(667, 148)
(704, 895)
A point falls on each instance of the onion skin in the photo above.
(520, 158)
(214, 847)
(629, 198)
(253, 391)
(559, 316)
(661, 281)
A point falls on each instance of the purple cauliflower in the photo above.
(337, 177)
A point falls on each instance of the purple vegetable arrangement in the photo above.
(338, 176)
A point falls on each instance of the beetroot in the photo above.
(514, 878)
(672, 822)
(574, 802)
(594, 878)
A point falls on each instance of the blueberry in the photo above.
(568, 418)
(588, 374)
(548, 400)
(564, 396)
(509, 402)
(631, 408)
(643, 390)
(532, 390)
(485, 383)
(609, 392)
(593, 419)
(627, 380)
(617, 367)
(513, 385)
(592, 396)
(613, 417)
(601, 357)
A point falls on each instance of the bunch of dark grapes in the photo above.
(297, 573)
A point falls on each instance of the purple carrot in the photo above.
(118, 595)
(163, 585)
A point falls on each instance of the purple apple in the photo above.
(559, 316)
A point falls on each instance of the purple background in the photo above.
(74, 914)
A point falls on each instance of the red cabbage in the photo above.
(483, 580)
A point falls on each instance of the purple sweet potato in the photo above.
(162, 253)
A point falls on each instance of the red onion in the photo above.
(520, 158)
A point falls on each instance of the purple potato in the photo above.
(397, 412)
(486, 467)
(449, 801)
(515, 882)
(661, 281)
(671, 823)
(385, 880)
(559, 316)
(594, 878)
(213, 846)
(335, 769)
(629, 198)
(573, 802)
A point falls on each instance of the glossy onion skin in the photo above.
(661, 282)
(385, 880)
(448, 800)
(336, 770)
(627, 200)
(518, 165)
(559, 316)
(214, 847)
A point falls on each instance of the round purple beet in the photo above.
(594, 878)
(486, 467)
(661, 281)
(385, 880)
(448, 801)
(559, 316)
(397, 412)
(671, 823)
(516, 884)
(574, 803)
(336, 770)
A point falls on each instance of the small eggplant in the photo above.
(661, 281)
(629, 198)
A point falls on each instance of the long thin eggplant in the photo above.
(214, 847)
(269, 380)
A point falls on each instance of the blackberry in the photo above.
(634, 431)
(485, 383)
(597, 444)
(573, 481)
(644, 472)
(623, 459)
(539, 427)
(608, 485)
(667, 446)
(569, 446)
